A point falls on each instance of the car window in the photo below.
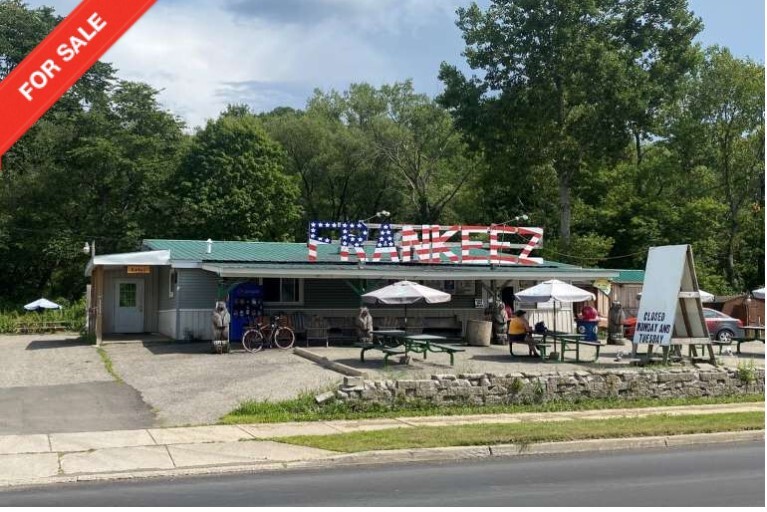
(710, 313)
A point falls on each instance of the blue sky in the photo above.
(203, 54)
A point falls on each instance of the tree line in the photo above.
(602, 120)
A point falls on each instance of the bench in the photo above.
(540, 343)
(451, 351)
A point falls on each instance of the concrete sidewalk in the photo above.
(49, 458)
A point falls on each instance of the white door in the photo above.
(129, 306)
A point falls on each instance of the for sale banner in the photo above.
(60, 60)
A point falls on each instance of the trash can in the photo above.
(589, 328)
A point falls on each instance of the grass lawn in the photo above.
(526, 433)
(304, 408)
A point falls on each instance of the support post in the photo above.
(98, 288)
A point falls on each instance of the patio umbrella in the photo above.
(758, 294)
(555, 290)
(704, 296)
(41, 304)
(406, 292)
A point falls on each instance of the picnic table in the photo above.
(540, 343)
(751, 333)
(425, 343)
(385, 340)
(40, 326)
(572, 343)
(397, 342)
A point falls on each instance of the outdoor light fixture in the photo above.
(90, 248)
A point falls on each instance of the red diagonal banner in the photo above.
(60, 60)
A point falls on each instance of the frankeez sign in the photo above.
(427, 244)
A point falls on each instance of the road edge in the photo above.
(383, 457)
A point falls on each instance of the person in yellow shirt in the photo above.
(519, 331)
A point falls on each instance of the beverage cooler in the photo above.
(246, 304)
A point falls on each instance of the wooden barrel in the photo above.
(479, 332)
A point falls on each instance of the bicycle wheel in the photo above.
(252, 341)
(284, 338)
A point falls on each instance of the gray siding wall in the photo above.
(150, 297)
(164, 301)
(197, 289)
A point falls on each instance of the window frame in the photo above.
(172, 283)
(300, 301)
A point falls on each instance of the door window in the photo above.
(127, 295)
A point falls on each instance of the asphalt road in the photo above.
(83, 407)
(721, 475)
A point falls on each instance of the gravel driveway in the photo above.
(187, 385)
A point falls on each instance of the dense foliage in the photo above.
(600, 119)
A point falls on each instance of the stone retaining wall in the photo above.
(524, 388)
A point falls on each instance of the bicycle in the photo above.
(273, 334)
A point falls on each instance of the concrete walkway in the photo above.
(48, 458)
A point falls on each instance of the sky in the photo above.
(205, 54)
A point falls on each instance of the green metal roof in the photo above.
(228, 258)
(272, 252)
(415, 271)
(629, 277)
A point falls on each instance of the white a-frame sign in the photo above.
(670, 310)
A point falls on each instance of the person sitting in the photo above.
(520, 332)
(364, 324)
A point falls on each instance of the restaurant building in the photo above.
(170, 287)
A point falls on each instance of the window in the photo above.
(172, 282)
(127, 295)
(283, 291)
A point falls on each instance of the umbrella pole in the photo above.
(405, 317)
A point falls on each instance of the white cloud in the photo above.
(197, 52)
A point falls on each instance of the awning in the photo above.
(151, 258)
(411, 272)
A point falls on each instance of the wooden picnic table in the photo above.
(751, 333)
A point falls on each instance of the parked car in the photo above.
(721, 327)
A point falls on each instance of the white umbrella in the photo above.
(41, 304)
(556, 290)
(406, 292)
(758, 294)
(704, 296)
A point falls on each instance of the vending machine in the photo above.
(246, 304)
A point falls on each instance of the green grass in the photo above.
(108, 363)
(304, 408)
(531, 432)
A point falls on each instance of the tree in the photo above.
(95, 174)
(555, 78)
(232, 185)
(427, 153)
(720, 124)
(370, 149)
